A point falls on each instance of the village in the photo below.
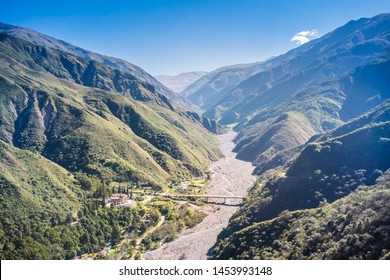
(128, 195)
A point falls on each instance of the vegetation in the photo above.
(355, 227)
(69, 129)
(46, 215)
(307, 91)
(176, 219)
(94, 131)
(73, 129)
(274, 223)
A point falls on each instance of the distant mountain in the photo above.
(43, 40)
(309, 90)
(179, 82)
(330, 167)
(316, 124)
(213, 87)
(271, 136)
(209, 89)
(334, 54)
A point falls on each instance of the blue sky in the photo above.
(174, 36)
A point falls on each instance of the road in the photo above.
(232, 177)
(139, 240)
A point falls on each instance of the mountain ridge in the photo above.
(328, 169)
(179, 82)
(310, 81)
(40, 39)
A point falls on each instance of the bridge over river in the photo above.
(231, 180)
(208, 197)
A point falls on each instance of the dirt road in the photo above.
(231, 177)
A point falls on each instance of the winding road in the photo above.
(231, 177)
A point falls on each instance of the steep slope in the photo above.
(378, 114)
(43, 40)
(355, 227)
(309, 90)
(336, 53)
(179, 82)
(212, 87)
(355, 154)
(88, 72)
(80, 71)
(60, 111)
(317, 109)
(33, 191)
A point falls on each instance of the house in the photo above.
(118, 198)
(102, 253)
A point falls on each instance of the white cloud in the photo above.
(304, 36)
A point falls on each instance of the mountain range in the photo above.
(43, 40)
(72, 124)
(213, 86)
(329, 202)
(179, 82)
(307, 91)
(315, 123)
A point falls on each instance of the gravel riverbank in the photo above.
(231, 177)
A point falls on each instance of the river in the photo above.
(230, 177)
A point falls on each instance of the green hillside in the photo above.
(331, 167)
(307, 91)
(96, 131)
(355, 227)
(70, 130)
(269, 135)
(35, 194)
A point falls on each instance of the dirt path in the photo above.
(231, 177)
(149, 231)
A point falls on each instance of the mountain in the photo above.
(71, 129)
(316, 124)
(334, 54)
(43, 40)
(317, 197)
(125, 68)
(56, 104)
(309, 90)
(209, 89)
(179, 82)
(34, 193)
(355, 227)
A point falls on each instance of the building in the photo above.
(102, 253)
(119, 198)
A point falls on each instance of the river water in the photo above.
(231, 177)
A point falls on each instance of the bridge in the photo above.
(209, 197)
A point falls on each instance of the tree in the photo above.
(69, 218)
(116, 234)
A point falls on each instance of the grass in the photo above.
(77, 133)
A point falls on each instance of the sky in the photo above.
(174, 36)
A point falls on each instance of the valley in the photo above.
(230, 177)
(290, 159)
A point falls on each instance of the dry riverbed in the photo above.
(231, 177)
